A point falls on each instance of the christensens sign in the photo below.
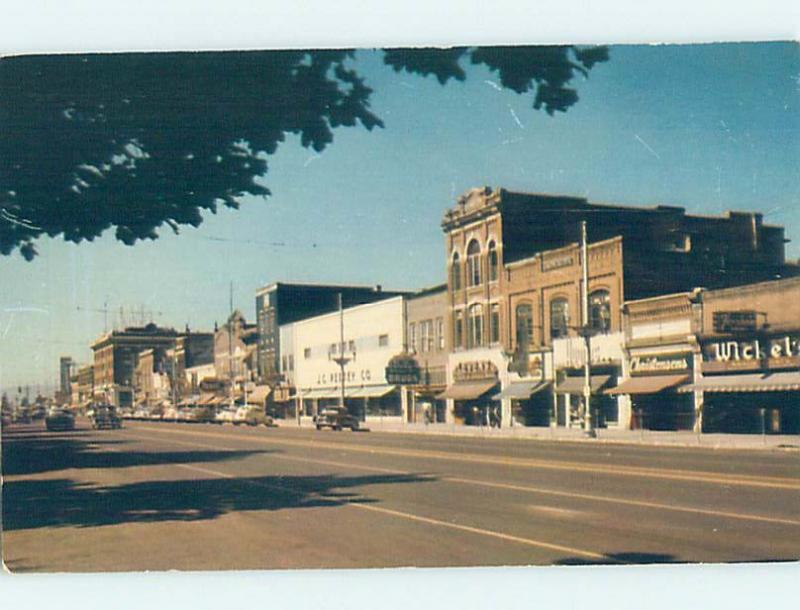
(660, 364)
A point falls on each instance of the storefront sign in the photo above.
(324, 379)
(752, 354)
(402, 370)
(659, 364)
(735, 321)
(472, 371)
(551, 263)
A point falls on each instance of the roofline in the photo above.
(332, 314)
(272, 285)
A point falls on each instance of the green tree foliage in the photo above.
(136, 141)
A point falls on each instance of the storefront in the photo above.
(530, 390)
(750, 383)
(472, 391)
(652, 385)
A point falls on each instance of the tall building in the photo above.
(282, 303)
(66, 366)
(515, 303)
(116, 356)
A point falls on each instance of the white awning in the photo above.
(651, 384)
(521, 390)
(371, 391)
(754, 382)
(258, 395)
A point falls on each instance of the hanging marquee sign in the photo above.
(475, 371)
(403, 369)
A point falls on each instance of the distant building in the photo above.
(85, 385)
(190, 361)
(235, 345)
(66, 367)
(283, 303)
(116, 356)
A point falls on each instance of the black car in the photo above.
(59, 419)
(105, 416)
(336, 418)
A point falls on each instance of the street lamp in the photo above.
(586, 332)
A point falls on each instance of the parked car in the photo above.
(105, 416)
(336, 418)
(225, 415)
(251, 415)
(59, 419)
(201, 414)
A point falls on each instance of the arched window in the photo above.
(493, 262)
(494, 323)
(559, 318)
(473, 264)
(455, 272)
(458, 329)
(600, 311)
(524, 327)
(475, 325)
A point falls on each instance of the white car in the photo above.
(251, 415)
(225, 415)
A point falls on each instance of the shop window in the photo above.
(524, 327)
(455, 272)
(440, 333)
(559, 318)
(473, 264)
(494, 323)
(412, 337)
(600, 311)
(475, 326)
(493, 262)
(458, 329)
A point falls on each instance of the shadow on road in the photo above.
(620, 558)
(35, 452)
(30, 504)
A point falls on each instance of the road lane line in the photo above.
(526, 488)
(607, 469)
(418, 518)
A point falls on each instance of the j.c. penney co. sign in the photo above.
(774, 352)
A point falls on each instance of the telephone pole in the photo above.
(588, 423)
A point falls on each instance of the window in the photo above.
(493, 262)
(458, 329)
(455, 272)
(426, 335)
(494, 323)
(600, 311)
(559, 318)
(383, 340)
(351, 346)
(307, 353)
(473, 264)
(412, 337)
(440, 333)
(285, 363)
(475, 326)
(291, 362)
(332, 349)
(524, 327)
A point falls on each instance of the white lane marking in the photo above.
(604, 469)
(529, 489)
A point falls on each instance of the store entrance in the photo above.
(752, 412)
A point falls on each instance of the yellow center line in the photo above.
(605, 469)
(522, 488)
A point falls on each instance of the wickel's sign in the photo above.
(773, 352)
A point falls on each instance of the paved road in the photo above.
(177, 496)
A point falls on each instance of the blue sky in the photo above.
(708, 127)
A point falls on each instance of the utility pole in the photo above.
(341, 359)
(586, 332)
(230, 348)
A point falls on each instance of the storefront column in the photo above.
(450, 411)
(505, 413)
(404, 404)
(699, 403)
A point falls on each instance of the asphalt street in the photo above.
(158, 496)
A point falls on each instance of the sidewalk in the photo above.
(769, 442)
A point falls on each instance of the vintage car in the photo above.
(105, 416)
(59, 419)
(251, 415)
(225, 415)
(201, 414)
(336, 418)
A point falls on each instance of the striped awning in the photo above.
(754, 382)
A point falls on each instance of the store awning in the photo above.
(521, 390)
(467, 390)
(205, 399)
(372, 391)
(651, 384)
(574, 385)
(321, 393)
(754, 382)
(258, 395)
